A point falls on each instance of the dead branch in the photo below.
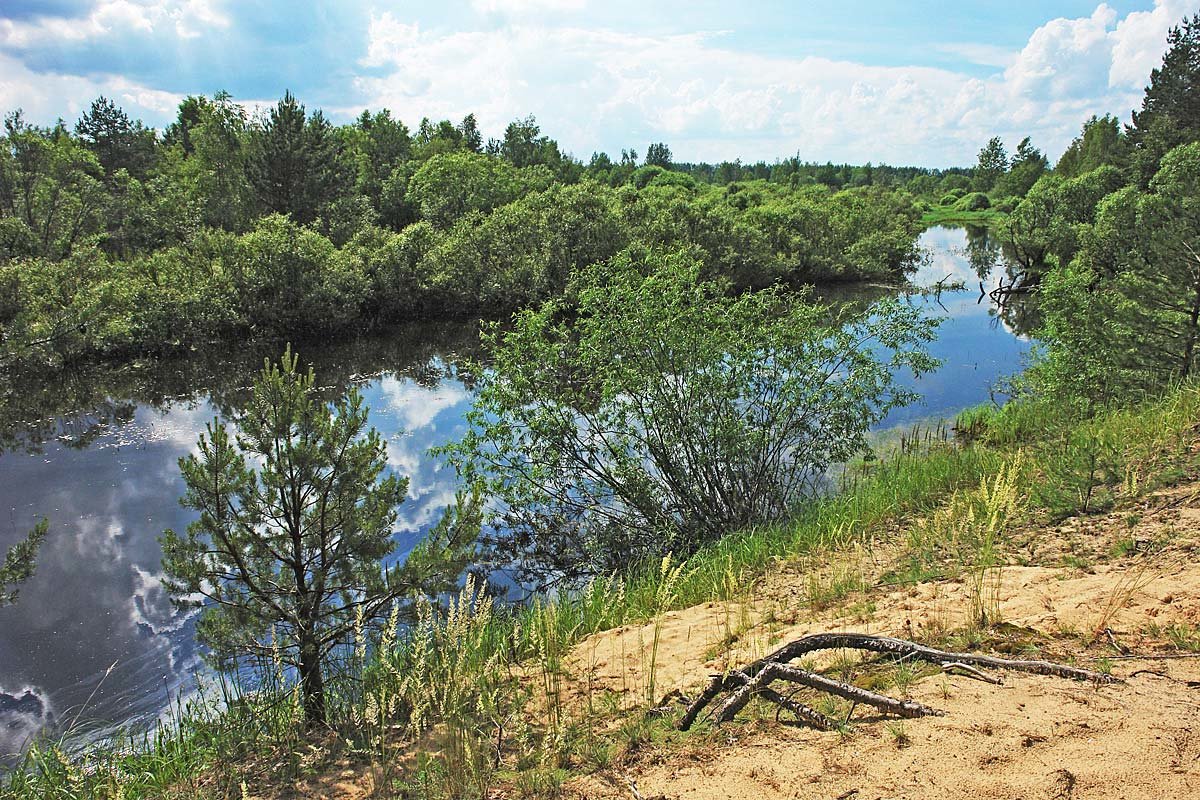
(755, 679)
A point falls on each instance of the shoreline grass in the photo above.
(949, 215)
(456, 685)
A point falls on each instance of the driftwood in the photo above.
(754, 680)
(1019, 285)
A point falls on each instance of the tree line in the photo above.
(1108, 242)
(116, 238)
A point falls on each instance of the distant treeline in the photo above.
(116, 238)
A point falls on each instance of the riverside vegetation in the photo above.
(471, 693)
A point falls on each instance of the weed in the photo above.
(1123, 590)
(1125, 546)
(1184, 637)
(903, 676)
(899, 734)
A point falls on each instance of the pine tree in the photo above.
(1170, 113)
(295, 520)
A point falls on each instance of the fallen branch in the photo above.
(755, 679)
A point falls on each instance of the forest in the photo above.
(119, 240)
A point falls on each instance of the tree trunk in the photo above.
(1192, 330)
(312, 683)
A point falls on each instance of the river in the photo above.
(94, 641)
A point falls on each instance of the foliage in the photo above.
(658, 155)
(1028, 164)
(1135, 287)
(975, 201)
(295, 518)
(992, 163)
(287, 276)
(19, 563)
(1100, 143)
(1046, 227)
(295, 161)
(118, 142)
(287, 226)
(673, 413)
(1170, 113)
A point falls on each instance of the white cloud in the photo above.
(1064, 58)
(24, 712)
(1138, 42)
(186, 18)
(988, 55)
(522, 7)
(68, 96)
(150, 604)
(600, 89)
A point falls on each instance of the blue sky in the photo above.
(920, 82)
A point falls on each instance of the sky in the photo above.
(924, 82)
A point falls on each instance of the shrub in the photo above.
(661, 413)
(975, 201)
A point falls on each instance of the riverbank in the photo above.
(950, 215)
(558, 690)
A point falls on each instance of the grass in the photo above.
(949, 215)
(474, 694)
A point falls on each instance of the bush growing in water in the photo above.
(661, 412)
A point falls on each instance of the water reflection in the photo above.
(94, 635)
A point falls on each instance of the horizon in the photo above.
(763, 83)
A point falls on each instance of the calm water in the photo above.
(94, 635)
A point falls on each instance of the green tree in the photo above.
(449, 185)
(290, 279)
(118, 142)
(523, 252)
(1124, 316)
(295, 163)
(1170, 113)
(52, 195)
(295, 520)
(219, 162)
(378, 145)
(992, 163)
(1100, 143)
(472, 139)
(20, 562)
(1047, 224)
(525, 146)
(660, 413)
(1028, 164)
(658, 155)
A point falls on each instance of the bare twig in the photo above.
(755, 678)
(971, 672)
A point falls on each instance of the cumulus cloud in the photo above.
(183, 18)
(1138, 42)
(150, 606)
(417, 406)
(600, 89)
(45, 96)
(591, 87)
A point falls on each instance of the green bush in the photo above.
(1006, 204)
(672, 412)
(975, 201)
